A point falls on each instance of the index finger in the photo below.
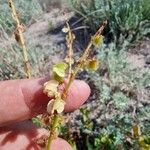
(24, 99)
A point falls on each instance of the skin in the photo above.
(21, 100)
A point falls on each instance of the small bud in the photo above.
(65, 29)
(17, 37)
(73, 36)
(97, 40)
(93, 64)
(67, 60)
(136, 131)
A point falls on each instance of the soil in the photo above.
(139, 55)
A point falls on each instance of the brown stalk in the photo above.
(71, 78)
(19, 34)
(70, 49)
(82, 60)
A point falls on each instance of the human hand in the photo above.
(21, 100)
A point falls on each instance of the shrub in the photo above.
(129, 20)
(27, 8)
(119, 105)
(11, 53)
(40, 60)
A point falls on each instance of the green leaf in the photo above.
(58, 78)
(59, 69)
(97, 40)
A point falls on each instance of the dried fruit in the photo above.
(50, 88)
(57, 105)
(136, 131)
(92, 64)
(97, 40)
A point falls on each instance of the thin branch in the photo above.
(53, 130)
(69, 40)
(80, 28)
(72, 75)
(19, 33)
(81, 61)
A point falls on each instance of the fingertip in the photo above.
(25, 98)
(78, 94)
(60, 144)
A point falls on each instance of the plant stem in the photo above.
(21, 38)
(79, 65)
(70, 49)
(53, 130)
(81, 61)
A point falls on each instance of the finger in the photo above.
(25, 135)
(23, 99)
(78, 94)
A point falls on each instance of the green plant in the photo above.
(119, 104)
(28, 9)
(56, 106)
(87, 124)
(128, 19)
(119, 86)
(65, 133)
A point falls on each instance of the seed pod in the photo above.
(50, 88)
(57, 105)
(92, 64)
(97, 40)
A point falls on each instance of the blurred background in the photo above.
(117, 114)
